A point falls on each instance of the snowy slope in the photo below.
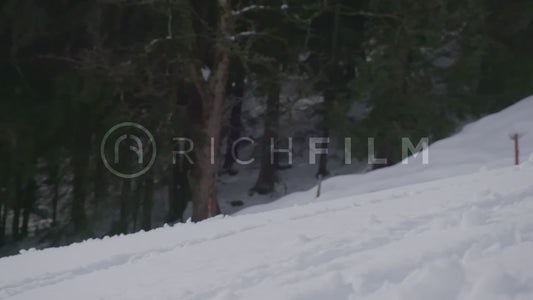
(485, 144)
(458, 228)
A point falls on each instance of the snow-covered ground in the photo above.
(460, 227)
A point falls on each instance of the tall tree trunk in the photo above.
(204, 183)
(330, 93)
(80, 162)
(329, 97)
(99, 186)
(16, 208)
(137, 199)
(235, 123)
(267, 174)
(54, 180)
(148, 202)
(78, 214)
(124, 198)
(3, 214)
(179, 194)
(55, 200)
(172, 199)
(204, 179)
(28, 201)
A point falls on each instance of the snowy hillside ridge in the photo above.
(484, 144)
(458, 228)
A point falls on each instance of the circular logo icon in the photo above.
(128, 150)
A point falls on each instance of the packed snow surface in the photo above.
(460, 227)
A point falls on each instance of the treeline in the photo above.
(70, 70)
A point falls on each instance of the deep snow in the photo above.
(460, 227)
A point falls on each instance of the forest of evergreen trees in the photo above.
(70, 70)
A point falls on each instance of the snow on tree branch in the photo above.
(247, 8)
(241, 34)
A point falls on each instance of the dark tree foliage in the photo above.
(70, 70)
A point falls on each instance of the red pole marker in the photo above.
(515, 137)
(516, 152)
